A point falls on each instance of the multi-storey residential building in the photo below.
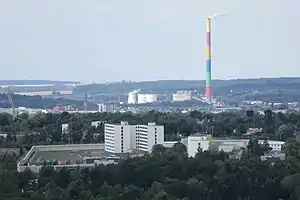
(117, 137)
(121, 138)
(149, 135)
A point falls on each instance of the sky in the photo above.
(113, 40)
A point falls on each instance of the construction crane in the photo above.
(11, 103)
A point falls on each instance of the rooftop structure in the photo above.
(58, 156)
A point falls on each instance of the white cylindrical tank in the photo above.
(151, 98)
(132, 98)
(142, 98)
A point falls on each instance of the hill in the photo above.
(275, 89)
(39, 102)
(35, 82)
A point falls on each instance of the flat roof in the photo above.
(67, 155)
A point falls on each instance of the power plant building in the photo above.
(147, 98)
(135, 97)
(182, 96)
(142, 98)
(151, 98)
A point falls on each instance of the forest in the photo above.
(40, 102)
(45, 128)
(167, 173)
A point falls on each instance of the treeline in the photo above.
(167, 174)
(39, 102)
(45, 128)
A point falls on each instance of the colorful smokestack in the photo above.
(208, 61)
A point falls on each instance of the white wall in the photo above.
(126, 139)
(64, 128)
(117, 135)
(70, 147)
(194, 142)
(117, 139)
(96, 123)
(275, 145)
(170, 144)
(109, 137)
(152, 131)
(133, 138)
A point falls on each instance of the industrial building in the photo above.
(135, 97)
(182, 96)
(206, 143)
(106, 108)
(123, 137)
(193, 143)
(147, 98)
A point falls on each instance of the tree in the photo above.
(284, 132)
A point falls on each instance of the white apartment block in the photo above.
(121, 138)
(117, 137)
(146, 136)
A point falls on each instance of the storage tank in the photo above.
(132, 97)
(151, 98)
(142, 98)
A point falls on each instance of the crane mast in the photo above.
(11, 103)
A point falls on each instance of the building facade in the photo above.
(122, 138)
(117, 137)
(148, 135)
(195, 143)
(207, 143)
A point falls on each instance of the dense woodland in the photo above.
(46, 128)
(166, 174)
(39, 102)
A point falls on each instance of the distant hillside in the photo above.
(39, 102)
(35, 82)
(220, 86)
(275, 89)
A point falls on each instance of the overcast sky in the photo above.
(112, 40)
